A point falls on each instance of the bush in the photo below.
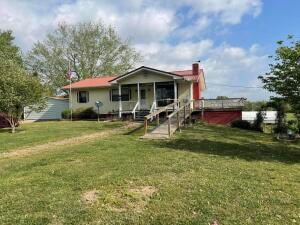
(66, 114)
(87, 113)
(81, 113)
(242, 124)
(258, 122)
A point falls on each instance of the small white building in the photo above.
(52, 111)
(269, 116)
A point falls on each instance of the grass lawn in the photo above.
(42, 132)
(204, 173)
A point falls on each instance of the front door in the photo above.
(143, 99)
(164, 94)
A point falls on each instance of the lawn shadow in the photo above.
(8, 130)
(246, 145)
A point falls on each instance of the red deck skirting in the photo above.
(221, 117)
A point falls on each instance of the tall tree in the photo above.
(284, 76)
(92, 48)
(17, 88)
(7, 49)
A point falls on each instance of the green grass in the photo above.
(204, 173)
(43, 132)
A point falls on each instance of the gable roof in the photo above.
(176, 76)
(188, 74)
(107, 81)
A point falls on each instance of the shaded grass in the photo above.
(42, 132)
(206, 172)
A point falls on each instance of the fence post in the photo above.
(169, 127)
(202, 108)
(190, 113)
(184, 115)
(145, 125)
(178, 122)
(157, 119)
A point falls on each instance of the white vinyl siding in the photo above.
(53, 110)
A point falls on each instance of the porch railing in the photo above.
(134, 109)
(128, 105)
(153, 107)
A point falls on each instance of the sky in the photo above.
(232, 38)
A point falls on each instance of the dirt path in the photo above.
(69, 141)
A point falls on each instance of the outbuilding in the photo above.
(52, 111)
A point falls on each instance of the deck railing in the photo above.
(230, 103)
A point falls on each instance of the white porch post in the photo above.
(191, 94)
(139, 96)
(154, 94)
(120, 101)
(175, 91)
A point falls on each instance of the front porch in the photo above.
(145, 98)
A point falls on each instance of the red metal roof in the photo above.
(92, 82)
(189, 74)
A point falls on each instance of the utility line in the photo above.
(234, 86)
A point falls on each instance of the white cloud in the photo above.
(142, 20)
(151, 25)
(142, 24)
(228, 11)
(223, 65)
(172, 57)
(195, 28)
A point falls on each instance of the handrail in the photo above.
(176, 112)
(160, 110)
(156, 113)
(134, 109)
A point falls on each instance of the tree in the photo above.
(7, 49)
(284, 76)
(281, 107)
(92, 48)
(17, 88)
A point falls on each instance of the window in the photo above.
(126, 94)
(82, 96)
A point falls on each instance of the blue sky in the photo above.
(232, 38)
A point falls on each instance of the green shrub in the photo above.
(242, 124)
(66, 114)
(79, 114)
(293, 125)
(85, 113)
(258, 122)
